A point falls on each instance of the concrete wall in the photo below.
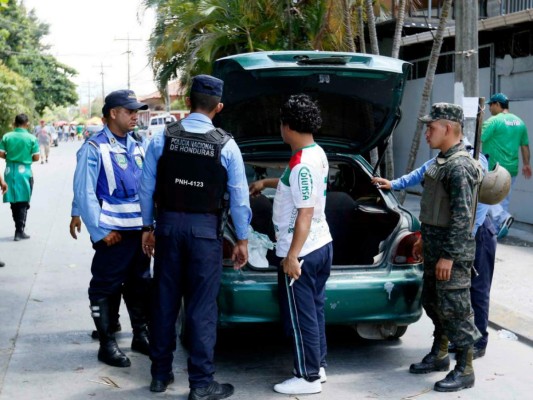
(443, 90)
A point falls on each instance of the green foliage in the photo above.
(21, 51)
(190, 34)
(16, 97)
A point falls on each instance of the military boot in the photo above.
(109, 351)
(462, 376)
(139, 324)
(436, 360)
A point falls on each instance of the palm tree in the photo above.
(428, 86)
(389, 151)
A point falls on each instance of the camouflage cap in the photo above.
(448, 111)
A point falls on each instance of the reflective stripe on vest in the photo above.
(117, 188)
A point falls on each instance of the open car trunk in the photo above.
(357, 216)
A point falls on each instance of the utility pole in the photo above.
(88, 83)
(102, 66)
(128, 52)
(466, 59)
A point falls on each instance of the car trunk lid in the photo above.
(359, 95)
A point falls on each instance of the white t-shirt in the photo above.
(302, 185)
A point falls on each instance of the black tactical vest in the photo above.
(190, 176)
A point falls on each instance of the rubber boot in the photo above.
(437, 359)
(109, 352)
(114, 306)
(462, 376)
(19, 216)
(139, 324)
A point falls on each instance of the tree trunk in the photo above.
(398, 30)
(428, 86)
(361, 26)
(389, 152)
(370, 19)
(347, 20)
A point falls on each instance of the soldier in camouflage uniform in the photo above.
(447, 212)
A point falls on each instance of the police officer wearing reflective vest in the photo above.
(447, 215)
(191, 172)
(106, 185)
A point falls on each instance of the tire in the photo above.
(399, 332)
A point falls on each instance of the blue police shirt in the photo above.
(231, 159)
(85, 202)
(416, 176)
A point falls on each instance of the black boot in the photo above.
(20, 213)
(109, 352)
(436, 360)
(114, 306)
(462, 376)
(139, 324)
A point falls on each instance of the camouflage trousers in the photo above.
(448, 304)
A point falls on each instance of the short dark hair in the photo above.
(301, 113)
(204, 102)
(21, 120)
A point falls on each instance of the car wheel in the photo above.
(400, 331)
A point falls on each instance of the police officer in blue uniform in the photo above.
(190, 171)
(106, 184)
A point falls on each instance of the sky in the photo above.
(84, 34)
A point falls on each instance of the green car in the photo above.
(375, 284)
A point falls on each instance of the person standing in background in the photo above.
(44, 137)
(503, 136)
(19, 148)
(3, 188)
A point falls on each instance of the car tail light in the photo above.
(404, 250)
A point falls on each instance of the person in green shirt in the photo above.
(503, 135)
(19, 148)
(3, 189)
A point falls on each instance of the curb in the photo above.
(501, 317)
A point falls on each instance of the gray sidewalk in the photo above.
(511, 305)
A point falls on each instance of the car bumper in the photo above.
(351, 297)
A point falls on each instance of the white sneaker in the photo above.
(323, 376)
(322, 373)
(298, 386)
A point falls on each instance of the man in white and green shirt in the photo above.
(303, 243)
(502, 136)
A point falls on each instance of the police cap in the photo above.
(123, 98)
(207, 84)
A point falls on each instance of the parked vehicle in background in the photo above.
(375, 283)
(157, 124)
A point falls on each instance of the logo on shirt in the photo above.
(122, 161)
(139, 161)
(305, 182)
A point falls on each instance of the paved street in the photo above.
(46, 351)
